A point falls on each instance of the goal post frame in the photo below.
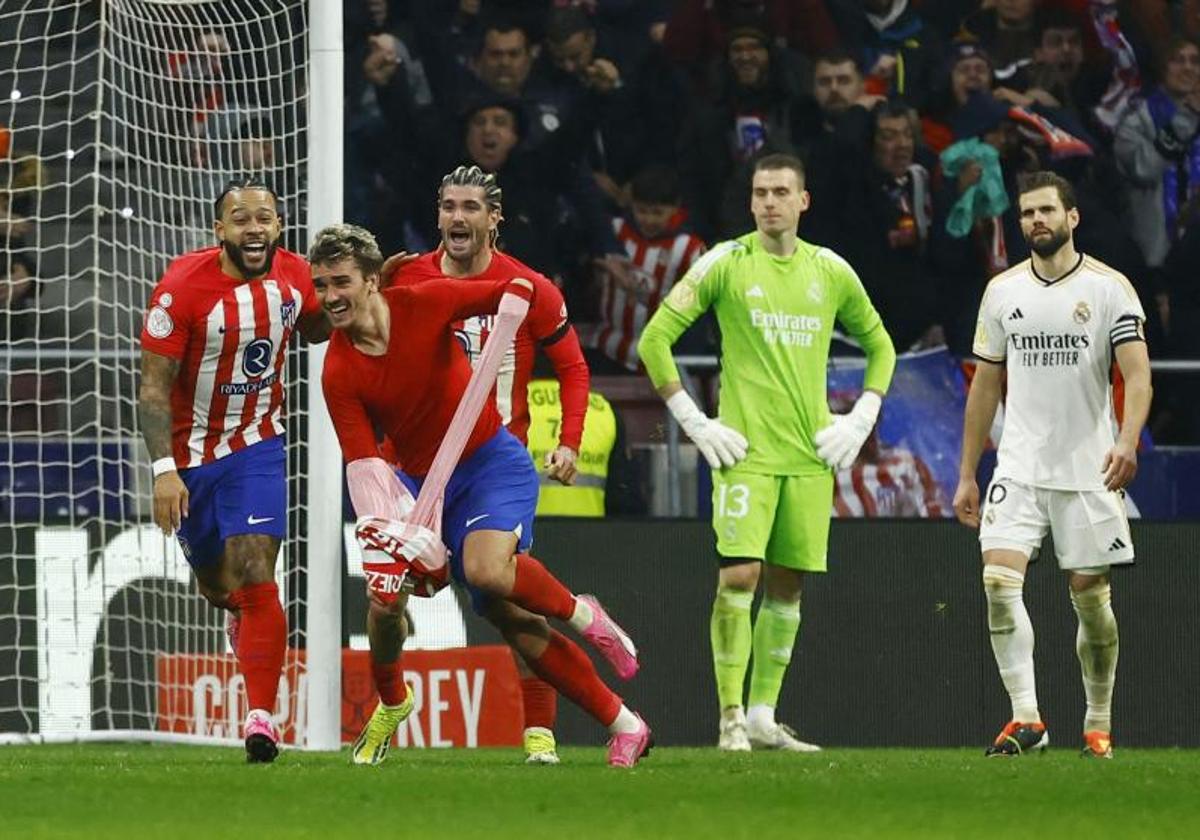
(324, 503)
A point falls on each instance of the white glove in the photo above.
(720, 445)
(839, 442)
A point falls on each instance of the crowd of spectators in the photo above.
(623, 132)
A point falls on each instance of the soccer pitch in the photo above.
(169, 791)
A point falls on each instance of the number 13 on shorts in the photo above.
(783, 519)
(743, 512)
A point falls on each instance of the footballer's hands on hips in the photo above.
(392, 264)
(560, 465)
(1120, 465)
(966, 502)
(838, 443)
(170, 502)
(720, 445)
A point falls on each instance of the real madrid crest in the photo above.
(1082, 314)
(684, 294)
(815, 293)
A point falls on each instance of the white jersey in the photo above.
(1056, 340)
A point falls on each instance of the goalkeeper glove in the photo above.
(720, 445)
(838, 443)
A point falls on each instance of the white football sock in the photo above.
(760, 716)
(581, 619)
(626, 722)
(1097, 644)
(1012, 639)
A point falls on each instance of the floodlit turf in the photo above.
(176, 792)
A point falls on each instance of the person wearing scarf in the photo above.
(1157, 148)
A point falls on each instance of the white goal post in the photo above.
(119, 121)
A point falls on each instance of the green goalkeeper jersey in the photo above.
(776, 317)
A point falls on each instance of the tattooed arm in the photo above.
(154, 415)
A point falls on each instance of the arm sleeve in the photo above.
(989, 332)
(375, 490)
(574, 380)
(454, 300)
(166, 329)
(548, 324)
(858, 315)
(1126, 318)
(355, 432)
(688, 300)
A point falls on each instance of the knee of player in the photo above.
(488, 573)
(742, 576)
(216, 595)
(1001, 581)
(1094, 596)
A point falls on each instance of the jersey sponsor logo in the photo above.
(1043, 349)
(247, 388)
(256, 360)
(786, 329)
(159, 323)
(1082, 313)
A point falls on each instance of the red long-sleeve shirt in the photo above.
(546, 326)
(410, 392)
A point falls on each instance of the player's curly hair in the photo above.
(342, 241)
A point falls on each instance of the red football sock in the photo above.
(389, 680)
(262, 641)
(538, 591)
(566, 667)
(540, 701)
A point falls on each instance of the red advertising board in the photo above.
(465, 697)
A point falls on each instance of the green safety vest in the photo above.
(586, 496)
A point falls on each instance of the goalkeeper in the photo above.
(774, 442)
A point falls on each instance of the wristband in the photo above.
(163, 465)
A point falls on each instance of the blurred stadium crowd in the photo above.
(623, 132)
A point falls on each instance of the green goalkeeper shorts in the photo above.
(781, 519)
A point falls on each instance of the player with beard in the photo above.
(1054, 323)
(469, 213)
(214, 343)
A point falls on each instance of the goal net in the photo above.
(119, 122)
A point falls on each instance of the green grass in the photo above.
(178, 792)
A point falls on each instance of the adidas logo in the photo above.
(755, 291)
(1017, 314)
(1117, 544)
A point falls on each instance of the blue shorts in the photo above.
(496, 489)
(242, 493)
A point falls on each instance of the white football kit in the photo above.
(1056, 341)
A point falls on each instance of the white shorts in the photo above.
(1090, 529)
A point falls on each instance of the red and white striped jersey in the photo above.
(897, 483)
(230, 337)
(657, 264)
